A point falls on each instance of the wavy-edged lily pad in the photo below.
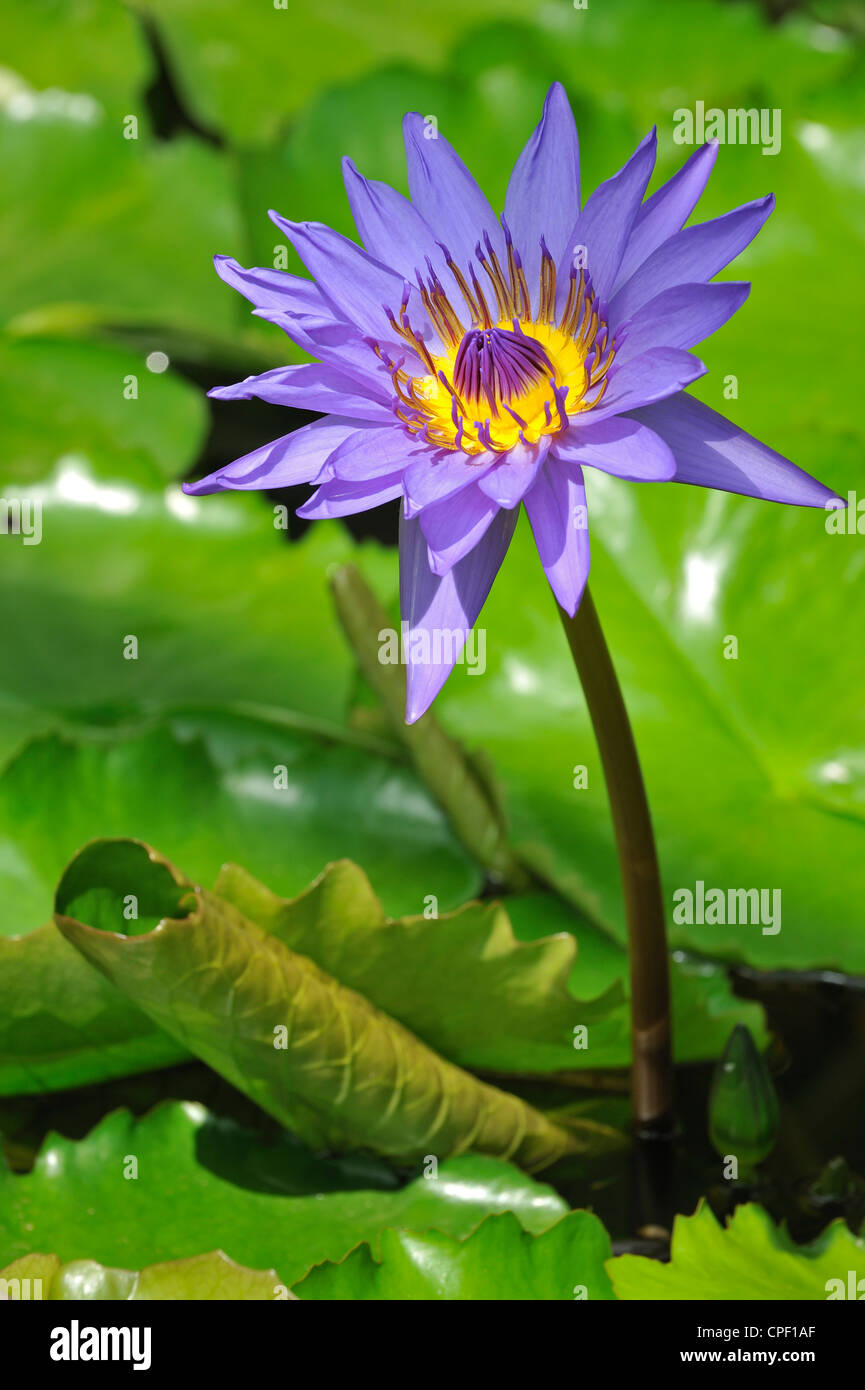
(461, 981)
(206, 791)
(498, 1261)
(316, 1055)
(750, 1258)
(200, 1180)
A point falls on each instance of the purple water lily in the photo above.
(467, 363)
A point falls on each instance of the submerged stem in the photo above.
(651, 1077)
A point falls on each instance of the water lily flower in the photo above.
(468, 363)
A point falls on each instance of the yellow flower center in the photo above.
(514, 375)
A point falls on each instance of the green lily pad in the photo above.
(498, 1261)
(750, 1258)
(508, 1008)
(316, 1055)
(223, 612)
(203, 1181)
(207, 791)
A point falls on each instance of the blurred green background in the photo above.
(138, 140)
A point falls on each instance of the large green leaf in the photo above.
(508, 1006)
(316, 1055)
(498, 1261)
(207, 792)
(751, 1258)
(207, 1278)
(202, 1181)
(222, 610)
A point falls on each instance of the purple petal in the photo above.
(311, 386)
(342, 347)
(374, 453)
(434, 607)
(713, 452)
(619, 446)
(681, 317)
(356, 285)
(390, 227)
(441, 475)
(338, 497)
(543, 197)
(451, 532)
(445, 194)
(650, 377)
(273, 289)
(691, 256)
(510, 480)
(295, 458)
(605, 223)
(667, 210)
(557, 511)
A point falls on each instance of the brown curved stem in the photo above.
(651, 1076)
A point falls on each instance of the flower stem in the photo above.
(651, 1076)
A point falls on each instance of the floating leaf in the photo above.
(61, 1023)
(316, 1055)
(498, 1261)
(98, 48)
(202, 1180)
(207, 591)
(744, 770)
(750, 1258)
(460, 981)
